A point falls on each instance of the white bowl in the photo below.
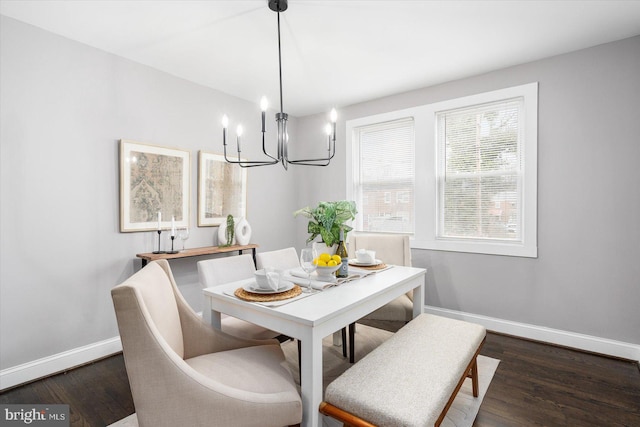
(327, 271)
(365, 256)
(261, 279)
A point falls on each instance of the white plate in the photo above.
(365, 264)
(250, 288)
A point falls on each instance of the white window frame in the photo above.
(426, 152)
(353, 152)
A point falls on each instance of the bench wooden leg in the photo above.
(347, 418)
(474, 377)
(473, 369)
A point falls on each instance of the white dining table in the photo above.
(313, 317)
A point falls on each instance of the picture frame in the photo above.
(154, 187)
(222, 190)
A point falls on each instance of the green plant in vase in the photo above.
(326, 220)
(230, 230)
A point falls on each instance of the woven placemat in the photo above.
(255, 297)
(380, 266)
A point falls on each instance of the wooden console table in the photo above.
(207, 250)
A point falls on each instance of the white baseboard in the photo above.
(539, 333)
(58, 362)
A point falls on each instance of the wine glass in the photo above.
(307, 256)
(183, 234)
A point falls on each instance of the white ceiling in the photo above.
(335, 53)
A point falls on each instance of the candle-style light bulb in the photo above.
(225, 121)
(239, 134)
(333, 115)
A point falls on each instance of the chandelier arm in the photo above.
(305, 163)
(248, 163)
(326, 159)
(264, 150)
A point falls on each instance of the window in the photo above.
(475, 189)
(480, 171)
(385, 158)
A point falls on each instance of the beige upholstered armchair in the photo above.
(390, 249)
(183, 372)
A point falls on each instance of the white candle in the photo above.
(173, 226)
(159, 220)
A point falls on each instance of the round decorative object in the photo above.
(380, 266)
(222, 236)
(250, 296)
(243, 232)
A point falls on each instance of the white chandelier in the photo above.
(282, 155)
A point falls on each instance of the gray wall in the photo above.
(64, 106)
(586, 278)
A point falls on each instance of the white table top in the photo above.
(362, 296)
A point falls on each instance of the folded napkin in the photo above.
(273, 278)
(317, 282)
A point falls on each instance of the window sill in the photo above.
(504, 249)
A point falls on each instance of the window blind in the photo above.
(480, 171)
(384, 178)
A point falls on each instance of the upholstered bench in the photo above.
(411, 379)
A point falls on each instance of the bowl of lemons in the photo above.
(327, 264)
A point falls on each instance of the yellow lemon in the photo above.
(325, 257)
(315, 261)
(321, 263)
(332, 263)
(337, 259)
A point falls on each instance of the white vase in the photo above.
(222, 235)
(243, 232)
(322, 248)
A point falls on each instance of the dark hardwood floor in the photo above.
(535, 385)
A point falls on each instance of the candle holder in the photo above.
(172, 251)
(159, 251)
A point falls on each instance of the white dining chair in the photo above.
(280, 259)
(392, 249)
(283, 259)
(217, 271)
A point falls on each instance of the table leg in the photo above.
(311, 380)
(418, 299)
(214, 318)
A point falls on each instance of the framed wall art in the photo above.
(154, 186)
(222, 190)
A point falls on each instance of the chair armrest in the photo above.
(201, 338)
